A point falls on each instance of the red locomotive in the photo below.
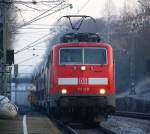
(78, 78)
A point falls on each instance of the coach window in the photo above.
(51, 57)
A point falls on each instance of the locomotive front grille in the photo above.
(82, 101)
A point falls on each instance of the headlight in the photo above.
(102, 91)
(83, 68)
(64, 91)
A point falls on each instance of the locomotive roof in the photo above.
(83, 44)
(80, 37)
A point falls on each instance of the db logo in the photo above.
(83, 81)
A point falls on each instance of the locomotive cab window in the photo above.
(94, 56)
(83, 56)
(71, 56)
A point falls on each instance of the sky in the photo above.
(26, 35)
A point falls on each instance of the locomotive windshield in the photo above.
(78, 56)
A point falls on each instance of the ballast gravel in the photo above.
(124, 125)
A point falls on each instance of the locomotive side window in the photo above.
(51, 57)
(71, 56)
(94, 56)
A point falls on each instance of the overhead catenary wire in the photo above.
(28, 2)
(29, 45)
(35, 43)
(35, 28)
(54, 25)
(50, 13)
(31, 7)
(50, 4)
(35, 18)
(31, 58)
(83, 6)
(38, 39)
(36, 32)
(38, 16)
(24, 65)
(41, 25)
(21, 15)
(26, 59)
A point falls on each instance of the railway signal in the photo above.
(15, 70)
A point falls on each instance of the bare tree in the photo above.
(109, 11)
(144, 6)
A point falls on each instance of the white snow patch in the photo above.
(142, 90)
(123, 125)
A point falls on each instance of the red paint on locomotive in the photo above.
(78, 77)
(82, 81)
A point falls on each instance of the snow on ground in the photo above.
(123, 125)
(142, 90)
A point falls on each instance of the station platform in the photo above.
(14, 126)
(28, 125)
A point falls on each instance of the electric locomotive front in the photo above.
(83, 78)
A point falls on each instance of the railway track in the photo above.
(79, 128)
(133, 115)
(98, 130)
(82, 129)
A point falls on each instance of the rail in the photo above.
(133, 115)
(77, 129)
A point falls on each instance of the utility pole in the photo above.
(1, 33)
(109, 11)
(132, 66)
(1, 48)
(4, 66)
(4, 23)
(134, 31)
(108, 15)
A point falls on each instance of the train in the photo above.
(77, 80)
(8, 110)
